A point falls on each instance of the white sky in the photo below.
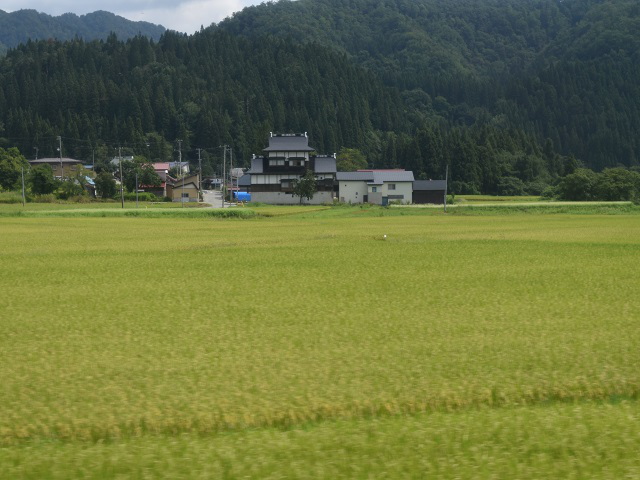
(181, 15)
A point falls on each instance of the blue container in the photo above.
(243, 196)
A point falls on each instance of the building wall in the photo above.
(266, 179)
(429, 196)
(374, 197)
(68, 168)
(404, 189)
(281, 198)
(176, 193)
(352, 191)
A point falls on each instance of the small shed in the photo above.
(429, 191)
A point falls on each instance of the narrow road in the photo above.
(213, 198)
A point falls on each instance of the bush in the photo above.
(45, 198)
(510, 187)
(549, 193)
(535, 187)
(464, 188)
(79, 199)
(70, 188)
(613, 184)
(617, 184)
(10, 197)
(578, 185)
(142, 197)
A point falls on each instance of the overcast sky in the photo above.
(182, 15)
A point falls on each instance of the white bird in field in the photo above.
(384, 237)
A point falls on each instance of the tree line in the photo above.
(510, 95)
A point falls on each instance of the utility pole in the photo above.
(231, 170)
(224, 172)
(199, 170)
(121, 176)
(136, 189)
(60, 151)
(36, 149)
(180, 171)
(179, 155)
(23, 196)
(446, 184)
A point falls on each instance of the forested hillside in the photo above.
(207, 89)
(568, 70)
(20, 26)
(511, 94)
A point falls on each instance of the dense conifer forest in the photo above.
(511, 94)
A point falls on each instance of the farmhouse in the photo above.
(287, 158)
(379, 187)
(62, 167)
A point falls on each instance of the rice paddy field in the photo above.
(301, 342)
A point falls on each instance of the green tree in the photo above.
(144, 170)
(41, 180)
(11, 164)
(617, 184)
(71, 187)
(350, 160)
(510, 186)
(578, 186)
(105, 184)
(306, 186)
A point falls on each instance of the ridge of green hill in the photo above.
(24, 25)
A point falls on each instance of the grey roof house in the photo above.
(379, 187)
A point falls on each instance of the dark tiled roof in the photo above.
(325, 165)
(53, 160)
(376, 177)
(288, 143)
(392, 176)
(430, 185)
(354, 176)
(257, 165)
(244, 181)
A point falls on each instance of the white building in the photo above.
(379, 187)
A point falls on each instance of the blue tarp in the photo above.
(243, 196)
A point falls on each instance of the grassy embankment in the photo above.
(306, 345)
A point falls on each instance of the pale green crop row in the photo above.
(557, 441)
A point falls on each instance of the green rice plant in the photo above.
(145, 332)
(587, 440)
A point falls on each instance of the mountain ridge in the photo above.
(23, 25)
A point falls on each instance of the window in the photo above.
(392, 186)
(374, 189)
(287, 184)
(276, 163)
(185, 195)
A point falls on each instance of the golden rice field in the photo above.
(306, 345)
